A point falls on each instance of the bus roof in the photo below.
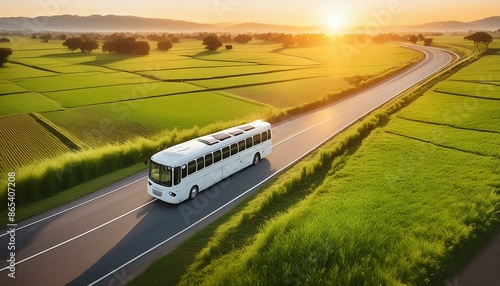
(192, 149)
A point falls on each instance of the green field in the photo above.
(98, 98)
(24, 141)
(407, 205)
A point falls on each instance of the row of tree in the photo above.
(118, 45)
(122, 44)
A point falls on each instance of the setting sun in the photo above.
(334, 22)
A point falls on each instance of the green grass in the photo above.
(292, 93)
(115, 93)
(7, 87)
(478, 142)
(457, 111)
(78, 81)
(24, 142)
(13, 71)
(17, 103)
(119, 122)
(373, 221)
(409, 204)
(477, 88)
(211, 72)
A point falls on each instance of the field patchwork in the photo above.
(99, 98)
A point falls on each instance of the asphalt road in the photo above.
(110, 236)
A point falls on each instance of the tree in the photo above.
(480, 37)
(173, 39)
(4, 54)
(428, 41)
(242, 39)
(88, 45)
(212, 42)
(165, 45)
(381, 39)
(141, 48)
(73, 43)
(126, 46)
(287, 40)
(225, 38)
(46, 37)
(421, 37)
(413, 39)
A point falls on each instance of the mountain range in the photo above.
(115, 23)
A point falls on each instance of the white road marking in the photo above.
(74, 207)
(78, 236)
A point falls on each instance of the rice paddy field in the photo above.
(99, 99)
(405, 206)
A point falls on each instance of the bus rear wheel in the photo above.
(193, 193)
(256, 159)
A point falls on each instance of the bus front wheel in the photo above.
(193, 193)
(256, 159)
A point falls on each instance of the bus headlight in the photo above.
(172, 194)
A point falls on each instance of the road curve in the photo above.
(110, 236)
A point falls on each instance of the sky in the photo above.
(335, 13)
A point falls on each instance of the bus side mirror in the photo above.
(146, 162)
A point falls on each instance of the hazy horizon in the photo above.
(336, 14)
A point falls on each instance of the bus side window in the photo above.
(256, 139)
(217, 156)
(184, 171)
(264, 136)
(200, 163)
(234, 149)
(269, 134)
(177, 175)
(191, 167)
(241, 145)
(249, 142)
(208, 159)
(225, 152)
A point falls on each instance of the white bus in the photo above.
(182, 171)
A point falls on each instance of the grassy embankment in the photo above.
(112, 111)
(408, 204)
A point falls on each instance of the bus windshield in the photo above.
(160, 174)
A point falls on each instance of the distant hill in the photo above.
(114, 23)
(486, 24)
(98, 23)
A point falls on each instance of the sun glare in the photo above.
(335, 23)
